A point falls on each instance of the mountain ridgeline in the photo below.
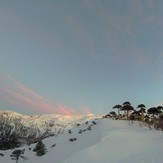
(17, 129)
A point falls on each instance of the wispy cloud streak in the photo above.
(16, 94)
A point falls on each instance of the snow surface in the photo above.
(109, 141)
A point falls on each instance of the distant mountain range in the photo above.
(17, 129)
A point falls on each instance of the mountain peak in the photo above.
(31, 128)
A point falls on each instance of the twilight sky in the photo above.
(60, 56)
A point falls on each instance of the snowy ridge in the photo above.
(107, 141)
(32, 128)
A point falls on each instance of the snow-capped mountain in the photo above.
(16, 128)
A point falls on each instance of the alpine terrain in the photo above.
(77, 139)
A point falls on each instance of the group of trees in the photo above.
(141, 113)
(40, 150)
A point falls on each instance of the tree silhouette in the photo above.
(113, 114)
(18, 154)
(118, 107)
(155, 110)
(135, 115)
(127, 107)
(40, 149)
(126, 103)
(160, 108)
(142, 110)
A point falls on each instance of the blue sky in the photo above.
(80, 55)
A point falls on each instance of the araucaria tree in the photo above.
(113, 114)
(40, 149)
(127, 107)
(142, 110)
(155, 111)
(118, 107)
(18, 154)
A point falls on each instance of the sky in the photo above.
(80, 56)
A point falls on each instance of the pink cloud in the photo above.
(65, 110)
(29, 102)
(23, 88)
(15, 94)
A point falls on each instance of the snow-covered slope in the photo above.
(31, 128)
(107, 141)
